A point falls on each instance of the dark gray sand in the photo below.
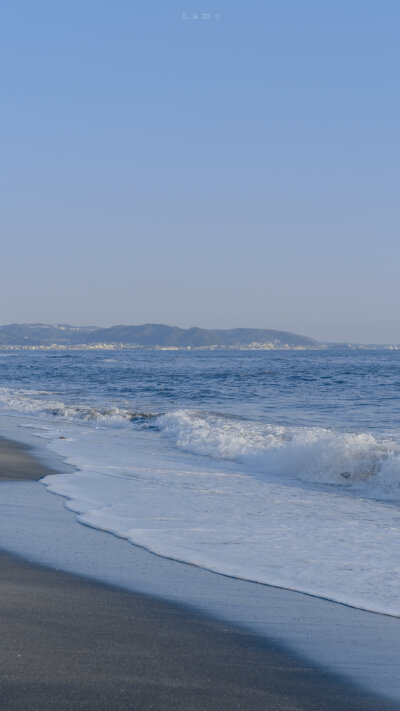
(17, 464)
(69, 643)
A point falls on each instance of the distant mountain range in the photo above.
(154, 335)
(148, 335)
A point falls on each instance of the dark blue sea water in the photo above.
(348, 390)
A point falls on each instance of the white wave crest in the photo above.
(312, 454)
(29, 402)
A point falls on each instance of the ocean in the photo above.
(279, 467)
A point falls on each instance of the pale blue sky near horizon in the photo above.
(236, 171)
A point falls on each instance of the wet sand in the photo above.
(17, 463)
(69, 643)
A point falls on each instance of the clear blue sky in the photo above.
(240, 171)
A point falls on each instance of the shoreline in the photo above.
(73, 643)
(246, 668)
(18, 464)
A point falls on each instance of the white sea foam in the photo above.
(313, 454)
(217, 516)
(43, 403)
(355, 462)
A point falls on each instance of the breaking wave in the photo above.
(312, 454)
(358, 462)
(29, 402)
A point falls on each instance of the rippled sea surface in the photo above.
(348, 389)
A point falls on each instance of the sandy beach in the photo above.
(71, 643)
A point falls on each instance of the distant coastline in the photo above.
(162, 337)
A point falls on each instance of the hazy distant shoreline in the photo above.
(161, 337)
(251, 347)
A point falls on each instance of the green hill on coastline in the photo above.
(149, 335)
